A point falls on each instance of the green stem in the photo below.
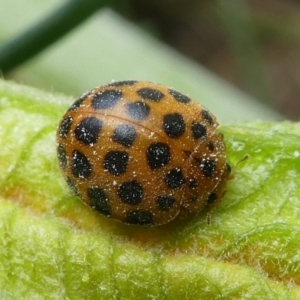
(41, 35)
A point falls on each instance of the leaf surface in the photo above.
(52, 244)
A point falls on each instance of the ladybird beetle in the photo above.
(142, 153)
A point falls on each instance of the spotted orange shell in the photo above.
(142, 153)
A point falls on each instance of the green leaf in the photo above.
(101, 61)
(52, 244)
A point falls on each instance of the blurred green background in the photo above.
(201, 48)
